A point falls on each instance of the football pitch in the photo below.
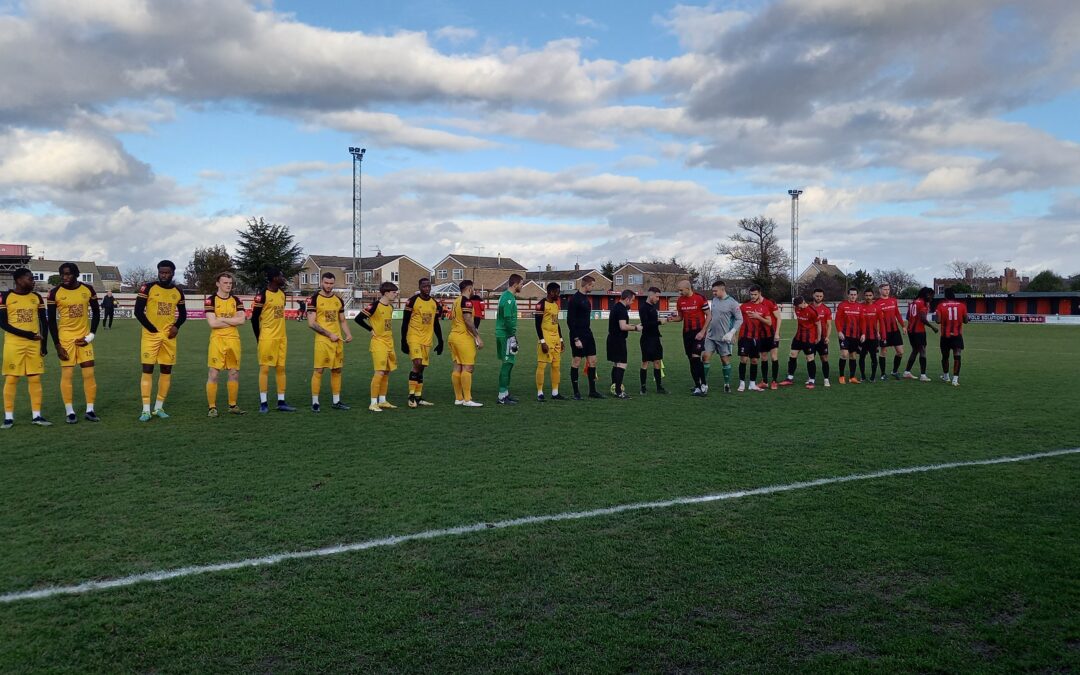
(963, 568)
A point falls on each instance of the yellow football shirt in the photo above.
(161, 304)
(272, 318)
(380, 317)
(224, 308)
(328, 312)
(422, 322)
(549, 322)
(461, 312)
(72, 309)
(22, 313)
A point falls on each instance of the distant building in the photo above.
(89, 273)
(819, 266)
(570, 280)
(1010, 282)
(12, 257)
(639, 276)
(400, 269)
(530, 290)
(486, 272)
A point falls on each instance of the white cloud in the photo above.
(391, 130)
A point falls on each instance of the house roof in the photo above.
(503, 286)
(109, 272)
(53, 266)
(486, 262)
(559, 275)
(656, 268)
(816, 268)
(345, 262)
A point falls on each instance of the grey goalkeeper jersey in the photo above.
(726, 316)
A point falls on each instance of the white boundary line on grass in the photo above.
(163, 575)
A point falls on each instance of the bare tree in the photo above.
(704, 272)
(137, 276)
(667, 276)
(980, 272)
(897, 278)
(756, 254)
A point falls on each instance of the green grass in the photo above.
(969, 569)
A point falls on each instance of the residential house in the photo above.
(530, 290)
(640, 276)
(816, 268)
(43, 270)
(486, 272)
(111, 279)
(400, 269)
(570, 280)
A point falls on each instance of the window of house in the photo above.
(349, 278)
(441, 274)
(39, 276)
(618, 279)
(459, 274)
(569, 286)
(634, 279)
(367, 275)
(86, 277)
(395, 277)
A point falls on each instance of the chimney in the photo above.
(969, 274)
(549, 268)
(817, 261)
(498, 257)
(824, 261)
(577, 267)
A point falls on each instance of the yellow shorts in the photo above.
(76, 354)
(329, 354)
(22, 357)
(463, 350)
(383, 358)
(553, 356)
(272, 351)
(224, 353)
(156, 348)
(419, 351)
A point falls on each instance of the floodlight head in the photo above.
(794, 193)
(357, 153)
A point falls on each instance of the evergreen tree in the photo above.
(263, 245)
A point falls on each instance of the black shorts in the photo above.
(691, 345)
(893, 339)
(587, 348)
(950, 343)
(821, 348)
(850, 344)
(916, 340)
(652, 349)
(807, 348)
(616, 349)
(767, 344)
(750, 347)
(871, 347)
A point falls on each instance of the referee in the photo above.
(582, 343)
(652, 349)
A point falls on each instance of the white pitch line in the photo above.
(163, 575)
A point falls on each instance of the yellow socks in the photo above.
(316, 384)
(34, 382)
(164, 380)
(264, 379)
(67, 392)
(233, 388)
(335, 383)
(89, 383)
(10, 382)
(145, 384)
(376, 386)
(280, 377)
(540, 377)
(466, 385)
(211, 394)
(455, 378)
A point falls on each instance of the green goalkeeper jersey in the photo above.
(506, 320)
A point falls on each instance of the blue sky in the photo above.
(922, 132)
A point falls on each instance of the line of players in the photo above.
(71, 315)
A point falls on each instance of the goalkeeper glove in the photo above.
(512, 345)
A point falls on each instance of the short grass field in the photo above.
(965, 569)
